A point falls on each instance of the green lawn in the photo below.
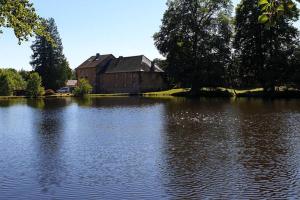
(166, 92)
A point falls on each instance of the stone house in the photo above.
(108, 74)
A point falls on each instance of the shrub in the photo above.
(83, 88)
(6, 88)
(34, 88)
(10, 81)
(49, 92)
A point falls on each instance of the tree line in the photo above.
(14, 82)
(50, 67)
(205, 46)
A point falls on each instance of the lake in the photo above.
(139, 148)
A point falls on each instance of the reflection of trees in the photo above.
(49, 129)
(198, 150)
(222, 149)
(11, 102)
(266, 149)
(49, 103)
(110, 102)
(36, 103)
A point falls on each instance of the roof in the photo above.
(132, 64)
(71, 83)
(95, 61)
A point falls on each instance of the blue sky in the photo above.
(120, 27)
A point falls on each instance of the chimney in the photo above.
(97, 55)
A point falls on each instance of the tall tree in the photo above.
(20, 15)
(48, 60)
(263, 52)
(195, 39)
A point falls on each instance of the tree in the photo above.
(263, 53)
(83, 88)
(295, 68)
(272, 10)
(10, 81)
(195, 39)
(24, 74)
(20, 15)
(34, 85)
(48, 60)
(161, 63)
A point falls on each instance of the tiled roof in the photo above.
(110, 64)
(131, 64)
(94, 61)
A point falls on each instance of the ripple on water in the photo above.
(134, 148)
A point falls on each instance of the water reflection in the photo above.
(266, 150)
(140, 148)
(49, 132)
(117, 102)
(5, 103)
(232, 150)
(199, 149)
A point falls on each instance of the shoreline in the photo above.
(185, 92)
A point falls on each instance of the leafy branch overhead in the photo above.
(273, 9)
(21, 16)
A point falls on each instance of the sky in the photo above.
(87, 27)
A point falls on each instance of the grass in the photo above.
(110, 95)
(171, 92)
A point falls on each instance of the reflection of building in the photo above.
(108, 74)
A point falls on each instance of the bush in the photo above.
(49, 92)
(6, 88)
(83, 88)
(10, 81)
(34, 88)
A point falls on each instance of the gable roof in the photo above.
(131, 64)
(95, 61)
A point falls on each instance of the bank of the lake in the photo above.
(186, 92)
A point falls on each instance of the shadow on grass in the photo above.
(289, 94)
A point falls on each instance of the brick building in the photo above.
(108, 74)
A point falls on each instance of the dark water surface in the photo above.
(134, 148)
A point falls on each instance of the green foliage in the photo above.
(195, 38)
(162, 64)
(20, 15)
(263, 54)
(295, 68)
(73, 75)
(48, 60)
(24, 74)
(83, 88)
(273, 10)
(10, 81)
(34, 86)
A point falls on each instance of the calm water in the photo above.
(133, 148)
